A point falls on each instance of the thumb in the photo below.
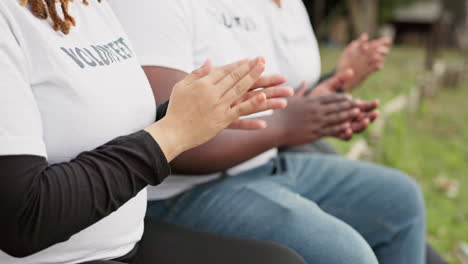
(302, 89)
(339, 80)
(364, 42)
(364, 38)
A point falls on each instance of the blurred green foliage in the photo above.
(387, 8)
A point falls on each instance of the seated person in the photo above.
(328, 209)
(79, 142)
(297, 51)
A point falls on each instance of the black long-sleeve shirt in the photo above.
(42, 205)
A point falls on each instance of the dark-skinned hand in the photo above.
(310, 118)
(367, 109)
(359, 124)
(366, 117)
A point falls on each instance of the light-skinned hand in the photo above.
(209, 100)
(364, 57)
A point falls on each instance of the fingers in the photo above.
(342, 116)
(272, 92)
(367, 106)
(380, 44)
(378, 55)
(383, 51)
(364, 38)
(302, 89)
(269, 81)
(375, 52)
(240, 80)
(218, 73)
(360, 126)
(253, 105)
(277, 97)
(258, 103)
(373, 116)
(271, 104)
(278, 91)
(340, 106)
(276, 103)
(332, 98)
(346, 135)
(379, 49)
(387, 42)
(335, 129)
(337, 81)
(352, 46)
(201, 72)
(363, 121)
(363, 42)
(372, 48)
(248, 124)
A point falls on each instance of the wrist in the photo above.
(169, 137)
(350, 85)
(279, 130)
(341, 66)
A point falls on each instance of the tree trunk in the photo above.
(363, 15)
(355, 15)
(318, 17)
(372, 16)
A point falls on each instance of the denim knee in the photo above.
(323, 239)
(289, 219)
(411, 197)
(343, 245)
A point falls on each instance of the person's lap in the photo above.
(166, 243)
(320, 146)
(323, 147)
(326, 208)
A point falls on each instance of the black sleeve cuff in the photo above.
(325, 77)
(322, 79)
(162, 168)
(161, 111)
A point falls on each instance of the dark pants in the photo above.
(432, 257)
(165, 243)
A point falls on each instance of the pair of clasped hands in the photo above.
(211, 99)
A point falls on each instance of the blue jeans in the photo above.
(326, 208)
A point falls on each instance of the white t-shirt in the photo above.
(295, 42)
(62, 95)
(182, 34)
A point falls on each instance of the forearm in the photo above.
(228, 149)
(44, 205)
(326, 77)
(322, 79)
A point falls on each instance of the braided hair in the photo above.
(47, 8)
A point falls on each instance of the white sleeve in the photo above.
(20, 121)
(161, 31)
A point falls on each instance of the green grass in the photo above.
(426, 145)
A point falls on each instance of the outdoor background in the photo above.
(429, 143)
